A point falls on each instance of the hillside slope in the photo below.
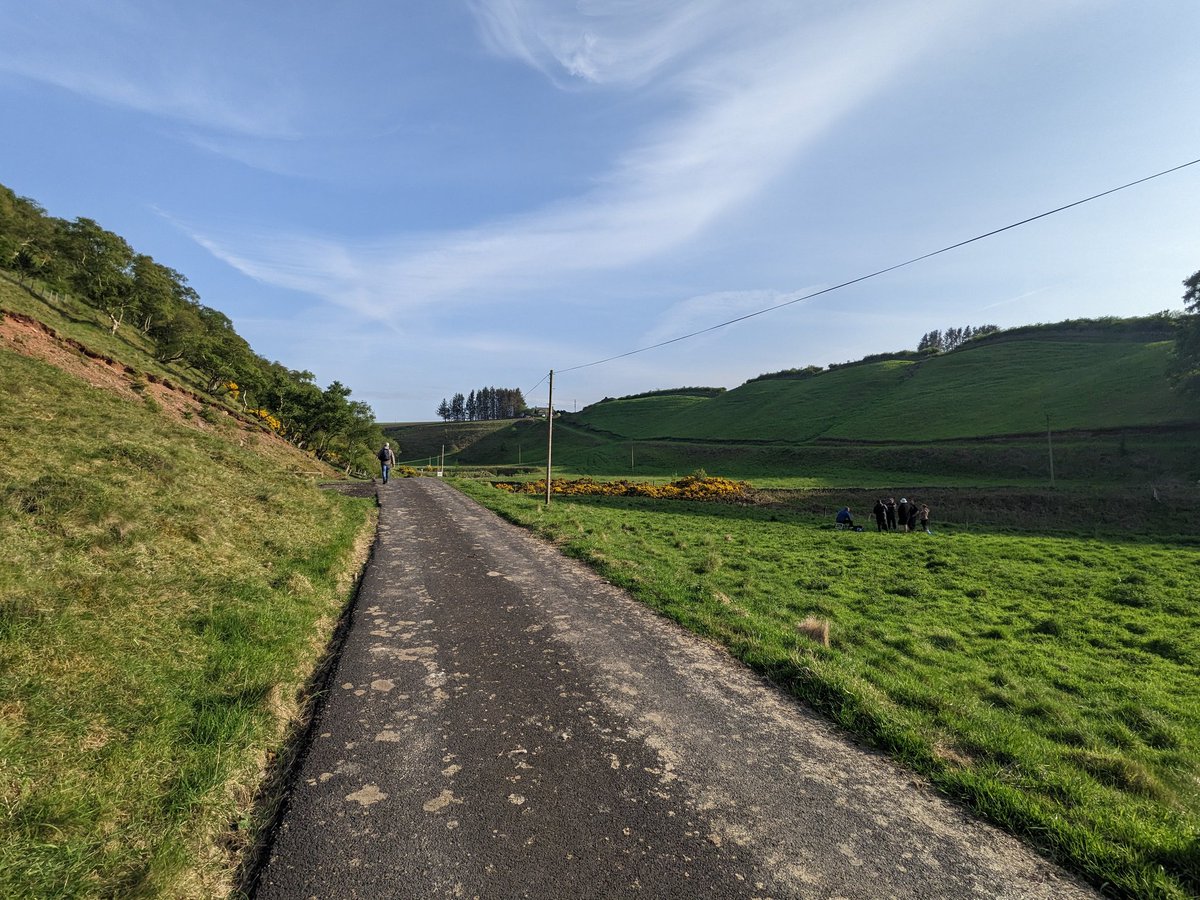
(170, 577)
(996, 388)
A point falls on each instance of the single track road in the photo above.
(503, 723)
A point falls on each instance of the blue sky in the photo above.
(425, 197)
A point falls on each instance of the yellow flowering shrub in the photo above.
(269, 420)
(690, 487)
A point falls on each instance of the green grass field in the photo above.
(1144, 458)
(1050, 682)
(166, 589)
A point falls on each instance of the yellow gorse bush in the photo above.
(269, 420)
(690, 487)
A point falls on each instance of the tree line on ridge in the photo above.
(483, 405)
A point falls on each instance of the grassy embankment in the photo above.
(1052, 683)
(167, 586)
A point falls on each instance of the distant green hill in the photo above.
(977, 415)
(421, 442)
(993, 388)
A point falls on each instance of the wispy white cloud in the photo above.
(172, 62)
(749, 94)
(621, 42)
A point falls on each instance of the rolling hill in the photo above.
(979, 414)
(986, 389)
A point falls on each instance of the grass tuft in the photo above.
(816, 630)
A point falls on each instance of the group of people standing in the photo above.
(907, 515)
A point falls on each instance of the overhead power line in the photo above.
(878, 272)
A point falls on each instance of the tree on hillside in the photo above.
(27, 236)
(952, 338)
(1185, 363)
(101, 268)
(158, 291)
(217, 351)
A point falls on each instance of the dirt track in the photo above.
(502, 723)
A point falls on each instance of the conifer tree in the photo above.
(1185, 363)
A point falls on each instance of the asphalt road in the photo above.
(502, 723)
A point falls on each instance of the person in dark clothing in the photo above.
(902, 514)
(880, 511)
(843, 518)
(387, 459)
(914, 511)
(891, 513)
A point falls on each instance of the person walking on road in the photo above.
(387, 459)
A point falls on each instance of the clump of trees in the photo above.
(138, 294)
(952, 338)
(797, 373)
(483, 405)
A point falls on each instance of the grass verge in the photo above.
(1051, 683)
(164, 594)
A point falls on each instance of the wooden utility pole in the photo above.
(549, 435)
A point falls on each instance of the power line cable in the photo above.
(538, 385)
(878, 272)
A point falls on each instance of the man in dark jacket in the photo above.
(387, 459)
(880, 511)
